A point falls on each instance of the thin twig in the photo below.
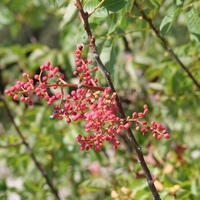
(30, 151)
(11, 145)
(166, 45)
(84, 18)
(96, 7)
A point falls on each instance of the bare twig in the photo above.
(166, 45)
(30, 151)
(84, 17)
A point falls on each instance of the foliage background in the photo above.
(143, 71)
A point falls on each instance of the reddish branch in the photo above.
(166, 45)
(84, 17)
(30, 151)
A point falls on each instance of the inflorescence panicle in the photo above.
(88, 102)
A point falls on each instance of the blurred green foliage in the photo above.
(142, 71)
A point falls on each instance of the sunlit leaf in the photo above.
(6, 16)
(193, 22)
(70, 14)
(168, 21)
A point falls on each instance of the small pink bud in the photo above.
(42, 67)
(77, 51)
(15, 97)
(44, 79)
(146, 111)
(62, 75)
(80, 47)
(50, 75)
(145, 106)
(167, 136)
(95, 68)
(108, 89)
(142, 130)
(134, 115)
(144, 123)
(25, 75)
(56, 107)
(36, 77)
(89, 61)
(47, 64)
(127, 126)
(30, 103)
(22, 98)
(118, 131)
(159, 137)
(6, 91)
(68, 120)
(140, 114)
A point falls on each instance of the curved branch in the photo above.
(84, 17)
(166, 45)
(30, 151)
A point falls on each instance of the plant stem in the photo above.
(166, 45)
(11, 145)
(96, 7)
(30, 151)
(84, 17)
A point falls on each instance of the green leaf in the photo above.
(112, 22)
(195, 187)
(58, 3)
(106, 8)
(108, 54)
(96, 183)
(100, 12)
(179, 2)
(193, 21)
(15, 29)
(70, 14)
(114, 5)
(32, 188)
(6, 16)
(155, 3)
(168, 21)
(156, 86)
(3, 186)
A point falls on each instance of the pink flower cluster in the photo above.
(157, 129)
(89, 102)
(24, 88)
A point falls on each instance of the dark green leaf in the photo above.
(114, 5)
(3, 186)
